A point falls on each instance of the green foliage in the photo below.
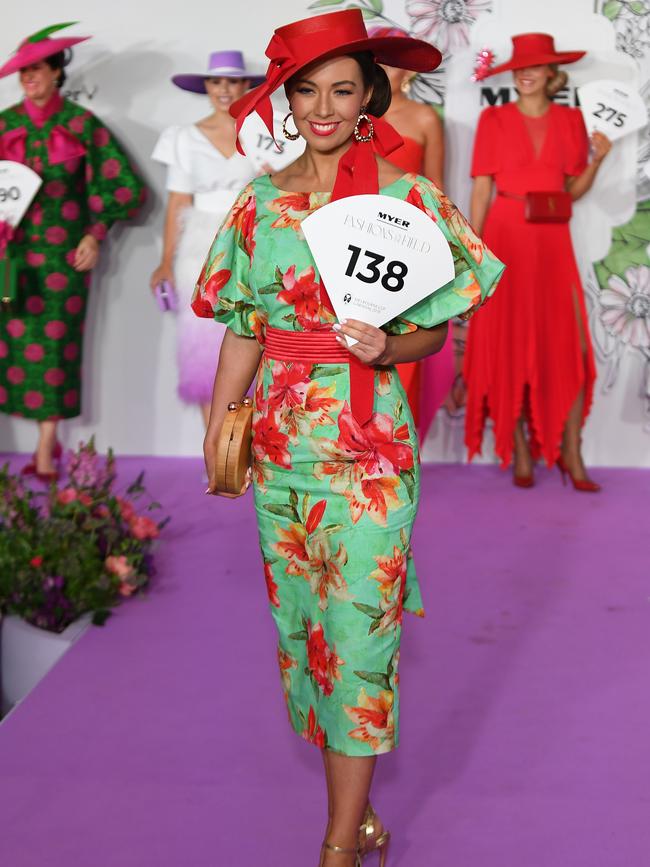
(613, 8)
(78, 549)
(629, 246)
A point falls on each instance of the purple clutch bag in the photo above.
(166, 296)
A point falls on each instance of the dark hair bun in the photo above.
(58, 62)
(374, 76)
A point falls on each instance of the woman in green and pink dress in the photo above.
(335, 464)
(88, 184)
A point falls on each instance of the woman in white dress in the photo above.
(204, 174)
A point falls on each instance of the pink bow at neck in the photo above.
(61, 145)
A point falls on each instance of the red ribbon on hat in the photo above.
(282, 65)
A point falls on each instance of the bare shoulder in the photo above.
(427, 118)
(388, 173)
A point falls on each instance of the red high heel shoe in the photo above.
(524, 481)
(30, 468)
(584, 485)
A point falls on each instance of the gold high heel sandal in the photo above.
(339, 851)
(370, 840)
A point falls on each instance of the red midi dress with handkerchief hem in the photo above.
(529, 352)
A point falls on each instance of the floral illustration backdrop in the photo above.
(617, 287)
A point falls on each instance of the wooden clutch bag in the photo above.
(234, 447)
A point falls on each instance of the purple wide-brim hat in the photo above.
(221, 64)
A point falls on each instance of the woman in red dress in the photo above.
(426, 382)
(529, 361)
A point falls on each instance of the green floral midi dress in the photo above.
(335, 501)
(88, 184)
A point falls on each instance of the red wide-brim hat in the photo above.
(301, 43)
(534, 49)
(38, 47)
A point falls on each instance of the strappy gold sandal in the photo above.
(370, 840)
(339, 851)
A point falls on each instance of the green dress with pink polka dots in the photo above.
(88, 184)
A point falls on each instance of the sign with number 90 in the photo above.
(18, 186)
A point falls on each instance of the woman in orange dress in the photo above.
(426, 382)
(529, 363)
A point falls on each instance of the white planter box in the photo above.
(28, 653)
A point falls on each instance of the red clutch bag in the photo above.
(551, 207)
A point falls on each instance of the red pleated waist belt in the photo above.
(317, 347)
(322, 347)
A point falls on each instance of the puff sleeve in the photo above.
(487, 148)
(223, 290)
(113, 189)
(477, 269)
(169, 152)
(576, 150)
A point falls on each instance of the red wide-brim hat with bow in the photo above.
(534, 49)
(301, 43)
(39, 46)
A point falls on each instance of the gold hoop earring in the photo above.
(292, 136)
(406, 85)
(357, 130)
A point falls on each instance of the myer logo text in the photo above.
(396, 221)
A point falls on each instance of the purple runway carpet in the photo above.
(162, 741)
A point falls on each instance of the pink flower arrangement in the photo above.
(143, 527)
(109, 535)
(121, 567)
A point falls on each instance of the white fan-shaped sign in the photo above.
(18, 186)
(614, 108)
(378, 256)
(262, 150)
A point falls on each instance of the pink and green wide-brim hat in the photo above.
(38, 46)
(221, 64)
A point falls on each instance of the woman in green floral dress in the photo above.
(88, 184)
(336, 488)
